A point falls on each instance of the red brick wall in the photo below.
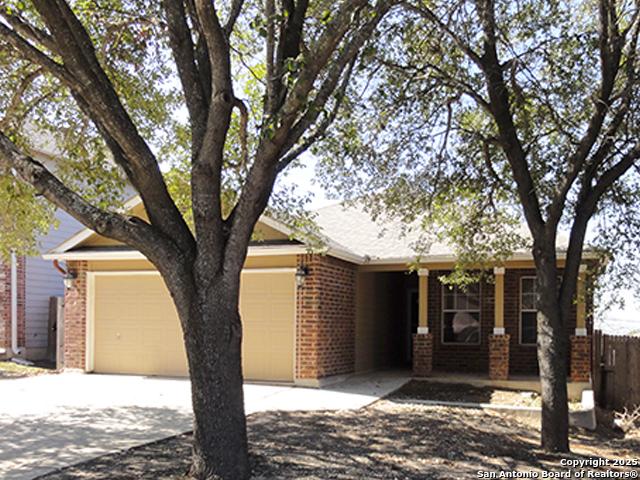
(5, 303)
(75, 310)
(475, 358)
(325, 327)
(580, 348)
(459, 357)
(523, 358)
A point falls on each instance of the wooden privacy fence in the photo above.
(616, 370)
(55, 345)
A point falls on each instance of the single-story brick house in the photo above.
(311, 318)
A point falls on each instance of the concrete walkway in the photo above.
(51, 421)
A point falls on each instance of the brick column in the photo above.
(499, 357)
(325, 326)
(75, 319)
(580, 358)
(422, 354)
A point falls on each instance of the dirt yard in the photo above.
(387, 440)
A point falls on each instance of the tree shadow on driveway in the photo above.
(33, 445)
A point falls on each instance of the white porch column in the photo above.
(423, 301)
(581, 307)
(498, 319)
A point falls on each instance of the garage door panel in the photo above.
(267, 309)
(137, 331)
(136, 327)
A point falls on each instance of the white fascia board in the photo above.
(426, 259)
(346, 256)
(255, 251)
(76, 239)
(95, 255)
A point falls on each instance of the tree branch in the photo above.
(611, 46)
(244, 121)
(183, 53)
(16, 98)
(91, 85)
(430, 15)
(501, 111)
(206, 177)
(129, 230)
(28, 31)
(261, 177)
(234, 12)
(321, 130)
(34, 55)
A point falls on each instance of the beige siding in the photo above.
(119, 265)
(277, 261)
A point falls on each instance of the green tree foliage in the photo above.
(40, 114)
(417, 136)
(478, 116)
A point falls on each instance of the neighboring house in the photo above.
(26, 284)
(312, 318)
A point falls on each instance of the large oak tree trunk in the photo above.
(552, 359)
(213, 337)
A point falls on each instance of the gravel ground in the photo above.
(387, 440)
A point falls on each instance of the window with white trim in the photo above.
(528, 312)
(461, 314)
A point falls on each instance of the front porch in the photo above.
(484, 335)
(525, 383)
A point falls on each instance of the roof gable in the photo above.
(267, 229)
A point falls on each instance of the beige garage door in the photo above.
(136, 329)
(267, 308)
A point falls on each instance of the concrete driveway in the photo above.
(51, 421)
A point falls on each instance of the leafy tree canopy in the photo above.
(40, 114)
(418, 135)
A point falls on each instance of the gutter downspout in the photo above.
(14, 304)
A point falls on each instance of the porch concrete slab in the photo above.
(51, 421)
(515, 382)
